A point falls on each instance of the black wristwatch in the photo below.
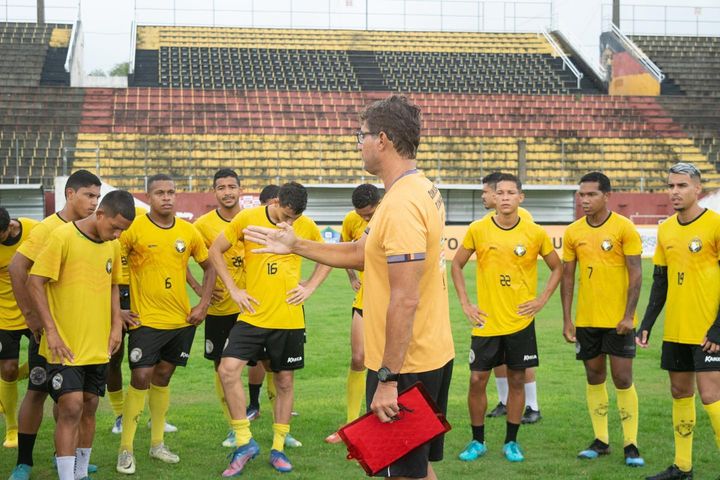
(385, 375)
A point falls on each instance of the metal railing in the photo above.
(71, 47)
(665, 19)
(638, 54)
(560, 53)
(133, 41)
(593, 61)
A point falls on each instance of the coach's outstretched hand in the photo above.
(279, 240)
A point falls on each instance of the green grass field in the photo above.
(550, 446)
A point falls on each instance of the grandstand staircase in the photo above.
(367, 70)
(53, 72)
(146, 69)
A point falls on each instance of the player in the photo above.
(507, 248)
(607, 248)
(13, 232)
(407, 324)
(82, 191)
(74, 284)
(158, 247)
(365, 199)
(532, 408)
(271, 319)
(687, 276)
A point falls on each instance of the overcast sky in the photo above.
(107, 23)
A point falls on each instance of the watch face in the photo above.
(383, 374)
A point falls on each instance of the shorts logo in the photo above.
(57, 381)
(0, 346)
(209, 346)
(294, 359)
(529, 357)
(577, 348)
(184, 355)
(135, 355)
(180, 246)
(471, 357)
(606, 245)
(520, 250)
(709, 359)
(38, 376)
(227, 340)
(108, 265)
(695, 245)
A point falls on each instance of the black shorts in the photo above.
(64, 379)
(147, 346)
(354, 310)
(285, 347)
(591, 342)
(10, 343)
(516, 350)
(37, 380)
(124, 297)
(217, 329)
(437, 384)
(683, 357)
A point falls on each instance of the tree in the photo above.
(120, 70)
(98, 72)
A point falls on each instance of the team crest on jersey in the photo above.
(209, 346)
(135, 355)
(57, 381)
(695, 245)
(180, 245)
(38, 376)
(520, 250)
(108, 265)
(606, 245)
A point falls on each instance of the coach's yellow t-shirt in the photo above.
(522, 213)
(600, 252)
(269, 277)
(506, 271)
(81, 272)
(158, 259)
(39, 235)
(353, 228)
(10, 316)
(691, 253)
(210, 226)
(408, 226)
(125, 278)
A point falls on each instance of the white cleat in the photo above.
(163, 453)
(126, 463)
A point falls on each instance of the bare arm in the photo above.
(20, 265)
(220, 246)
(194, 284)
(59, 352)
(476, 316)
(566, 297)
(197, 314)
(634, 268)
(116, 323)
(354, 280)
(532, 307)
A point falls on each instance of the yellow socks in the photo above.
(132, 409)
(683, 413)
(271, 391)
(242, 431)
(597, 402)
(159, 403)
(221, 396)
(355, 393)
(713, 411)
(116, 402)
(627, 402)
(280, 431)
(9, 399)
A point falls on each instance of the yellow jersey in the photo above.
(353, 228)
(691, 252)
(39, 235)
(158, 259)
(506, 271)
(269, 277)
(600, 252)
(408, 226)
(210, 226)
(10, 316)
(125, 268)
(522, 213)
(81, 272)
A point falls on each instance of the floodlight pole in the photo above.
(616, 13)
(40, 12)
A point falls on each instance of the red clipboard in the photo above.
(376, 445)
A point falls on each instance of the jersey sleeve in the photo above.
(234, 231)
(346, 231)
(569, 253)
(117, 277)
(49, 260)
(632, 244)
(659, 256)
(469, 241)
(35, 242)
(125, 241)
(405, 234)
(199, 249)
(546, 245)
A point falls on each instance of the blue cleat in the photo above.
(21, 472)
(473, 451)
(632, 457)
(229, 440)
(240, 457)
(117, 426)
(596, 449)
(280, 461)
(513, 452)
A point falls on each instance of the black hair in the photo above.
(224, 173)
(268, 193)
(119, 202)
(293, 195)
(81, 179)
(4, 219)
(364, 195)
(399, 119)
(602, 180)
(491, 179)
(158, 177)
(509, 177)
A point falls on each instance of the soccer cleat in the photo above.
(632, 457)
(11, 439)
(117, 426)
(530, 415)
(292, 442)
(169, 427)
(499, 410)
(229, 440)
(240, 457)
(333, 438)
(21, 472)
(252, 413)
(163, 453)
(512, 452)
(595, 449)
(280, 461)
(294, 413)
(672, 473)
(473, 451)
(125, 463)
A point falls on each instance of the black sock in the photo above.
(478, 433)
(26, 444)
(512, 431)
(254, 395)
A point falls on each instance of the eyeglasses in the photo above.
(361, 136)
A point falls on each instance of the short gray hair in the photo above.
(685, 168)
